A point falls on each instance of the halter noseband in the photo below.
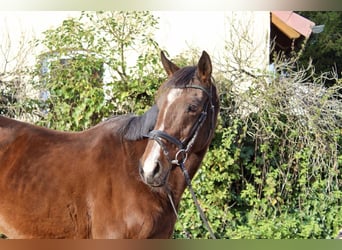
(185, 145)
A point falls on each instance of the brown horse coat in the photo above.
(85, 184)
(61, 185)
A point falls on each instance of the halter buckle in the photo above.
(180, 153)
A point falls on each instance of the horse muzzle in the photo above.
(155, 176)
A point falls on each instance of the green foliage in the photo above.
(325, 48)
(8, 100)
(85, 71)
(271, 173)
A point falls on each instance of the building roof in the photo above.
(292, 24)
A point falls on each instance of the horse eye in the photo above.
(192, 108)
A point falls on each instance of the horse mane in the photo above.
(179, 79)
(137, 127)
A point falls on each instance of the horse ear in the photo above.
(169, 66)
(204, 68)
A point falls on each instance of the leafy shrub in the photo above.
(272, 172)
(85, 74)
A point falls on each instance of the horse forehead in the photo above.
(176, 93)
(173, 95)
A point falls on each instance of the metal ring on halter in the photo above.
(177, 161)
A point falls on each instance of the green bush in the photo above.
(85, 70)
(271, 173)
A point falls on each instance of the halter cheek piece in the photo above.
(186, 144)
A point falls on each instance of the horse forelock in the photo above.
(179, 79)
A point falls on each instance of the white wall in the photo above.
(18, 26)
(209, 30)
(183, 29)
(179, 30)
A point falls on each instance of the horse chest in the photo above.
(134, 217)
(150, 223)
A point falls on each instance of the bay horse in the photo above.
(118, 179)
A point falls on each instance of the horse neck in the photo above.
(134, 151)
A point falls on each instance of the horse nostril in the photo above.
(141, 170)
(156, 170)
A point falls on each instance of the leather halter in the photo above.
(186, 144)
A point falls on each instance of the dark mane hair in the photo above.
(137, 127)
(180, 79)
